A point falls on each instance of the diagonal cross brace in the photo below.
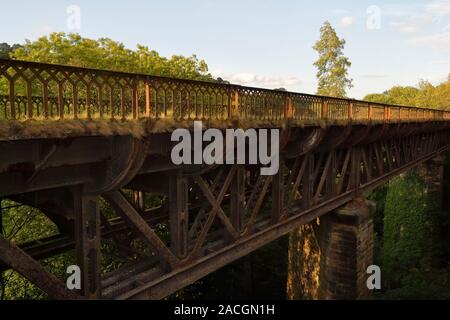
(127, 211)
(216, 209)
(31, 269)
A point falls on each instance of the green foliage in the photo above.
(424, 285)
(6, 49)
(378, 196)
(410, 237)
(332, 65)
(425, 95)
(104, 53)
(22, 224)
(396, 95)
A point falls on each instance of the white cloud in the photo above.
(440, 8)
(407, 29)
(440, 41)
(347, 21)
(252, 79)
(427, 24)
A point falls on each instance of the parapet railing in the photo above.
(30, 90)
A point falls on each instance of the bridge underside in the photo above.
(204, 216)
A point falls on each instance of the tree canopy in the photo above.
(6, 49)
(104, 53)
(425, 95)
(332, 65)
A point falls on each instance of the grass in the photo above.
(97, 126)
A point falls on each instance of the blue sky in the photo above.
(264, 43)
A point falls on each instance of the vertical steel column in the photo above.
(307, 181)
(138, 200)
(147, 98)
(87, 242)
(277, 194)
(330, 185)
(179, 213)
(355, 172)
(237, 199)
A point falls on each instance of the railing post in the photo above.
(12, 98)
(387, 113)
(60, 101)
(134, 99)
(369, 112)
(30, 99)
(288, 112)
(100, 101)
(324, 109)
(122, 103)
(111, 102)
(234, 103)
(88, 102)
(350, 110)
(147, 98)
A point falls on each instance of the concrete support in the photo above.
(328, 258)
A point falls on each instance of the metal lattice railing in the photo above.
(31, 90)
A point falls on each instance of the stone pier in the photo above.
(328, 258)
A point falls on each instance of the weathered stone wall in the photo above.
(328, 258)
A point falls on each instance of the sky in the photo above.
(263, 43)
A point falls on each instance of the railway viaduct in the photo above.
(75, 141)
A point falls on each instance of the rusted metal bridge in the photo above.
(72, 139)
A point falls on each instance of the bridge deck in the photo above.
(90, 102)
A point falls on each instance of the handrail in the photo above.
(31, 90)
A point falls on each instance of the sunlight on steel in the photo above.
(30, 90)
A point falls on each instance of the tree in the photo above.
(412, 241)
(332, 65)
(425, 95)
(333, 80)
(6, 49)
(104, 53)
